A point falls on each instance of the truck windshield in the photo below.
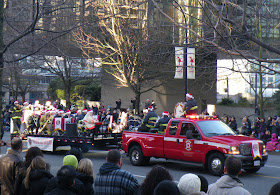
(214, 128)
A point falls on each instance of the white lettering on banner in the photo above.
(179, 62)
(43, 143)
(191, 63)
(255, 148)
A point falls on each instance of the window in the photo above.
(173, 127)
(185, 127)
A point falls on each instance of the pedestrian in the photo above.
(78, 186)
(76, 152)
(166, 187)
(189, 183)
(157, 174)
(8, 166)
(229, 183)
(65, 182)
(233, 124)
(112, 180)
(147, 104)
(190, 105)
(37, 177)
(21, 170)
(275, 189)
(133, 101)
(162, 123)
(85, 174)
(118, 104)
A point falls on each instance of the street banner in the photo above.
(179, 62)
(67, 121)
(45, 144)
(191, 63)
(58, 123)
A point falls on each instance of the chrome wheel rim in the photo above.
(216, 164)
(135, 156)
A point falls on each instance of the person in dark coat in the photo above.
(85, 174)
(162, 123)
(233, 124)
(118, 103)
(149, 120)
(8, 167)
(37, 177)
(65, 182)
(21, 170)
(191, 105)
(78, 187)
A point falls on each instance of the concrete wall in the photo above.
(203, 88)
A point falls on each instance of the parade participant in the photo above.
(46, 122)
(16, 114)
(89, 120)
(79, 116)
(190, 105)
(59, 114)
(149, 120)
(67, 114)
(162, 123)
(84, 112)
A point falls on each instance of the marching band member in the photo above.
(89, 120)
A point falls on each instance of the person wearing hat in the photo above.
(84, 111)
(149, 121)
(162, 123)
(16, 113)
(78, 187)
(189, 183)
(190, 105)
(67, 114)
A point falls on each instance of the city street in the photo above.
(258, 184)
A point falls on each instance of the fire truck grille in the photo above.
(245, 149)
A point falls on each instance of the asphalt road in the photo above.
(258, 183)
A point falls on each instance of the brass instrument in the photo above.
(45, 124)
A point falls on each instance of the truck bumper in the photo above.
(248, 162)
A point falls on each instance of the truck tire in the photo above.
(216, 164)
(136, 156)
(254, 170)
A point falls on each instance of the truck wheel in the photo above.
(136, 156)
(254, 170)
(216, 164)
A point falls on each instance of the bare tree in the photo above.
(132, 53)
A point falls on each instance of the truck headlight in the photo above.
(234, 150)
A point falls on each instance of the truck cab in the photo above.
(202, 140)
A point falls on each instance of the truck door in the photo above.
(172, 142)
(189, 151)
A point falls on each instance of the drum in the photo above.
(179, 110)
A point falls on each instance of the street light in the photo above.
(186, 50)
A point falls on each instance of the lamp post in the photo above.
(186, 50)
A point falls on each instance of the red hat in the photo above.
(61, 111)
(84, 110)
(189, 95)
(43, 111)
(165, 113)
(16, 102)
(150, 108)
(90, 111)
(68, 111)
(79, 111)
(25, 102)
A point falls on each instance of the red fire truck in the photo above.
(197, 140)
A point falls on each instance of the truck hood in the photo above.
(232, 140)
